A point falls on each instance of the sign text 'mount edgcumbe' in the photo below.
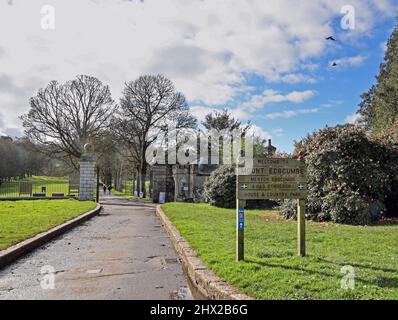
(272, 178)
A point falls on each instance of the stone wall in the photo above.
(87, 180)
(177, 181)
(162, 182)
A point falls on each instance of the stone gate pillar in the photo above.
(87, 176)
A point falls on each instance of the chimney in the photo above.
(270, 149)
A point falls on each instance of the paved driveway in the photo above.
(123, 253)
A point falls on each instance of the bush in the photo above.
(389, 138)
(220, 188)
(352, 208)
(288, 209)
(350, 176)
(261, 204)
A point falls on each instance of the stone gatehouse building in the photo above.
(184, 182)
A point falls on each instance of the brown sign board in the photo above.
(273, 166)
(272, 178)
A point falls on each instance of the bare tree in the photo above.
(148, 105)
(64, 117)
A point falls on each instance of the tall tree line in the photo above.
(18, 159)
(379, 106)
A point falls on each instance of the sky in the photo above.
(268, 62)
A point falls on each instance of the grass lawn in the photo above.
(45, 179)
(127, 192)
(131, 197)
(273, 271)
(20, 220)
(126, 195)
(52, 184)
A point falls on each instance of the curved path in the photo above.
(123, 253)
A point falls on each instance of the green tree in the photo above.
(221, 120)
(379, 106)
(352, 177)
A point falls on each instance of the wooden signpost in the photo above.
(271, 178)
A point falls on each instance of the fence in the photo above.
(19, 189)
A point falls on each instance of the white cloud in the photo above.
(271, 96)
(332, 103)
(1, 124)
(206, 47)
(290, 113)
(386, 7)
(297, 78)
(268, 96)
(246, 110)
(200, 112)
(383, 47)
(278, 132)
(346, 62)
(353, 118)
(259, 132)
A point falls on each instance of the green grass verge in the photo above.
(45, 179)
(20, 220)
(52, 184)
(127, 192)
(131, 197)
(126, 195)
(273, 271)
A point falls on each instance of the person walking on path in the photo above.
(104, 187)
(109, 189)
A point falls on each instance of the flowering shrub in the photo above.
(220, 188)
(351, 177)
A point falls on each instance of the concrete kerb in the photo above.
(205, 281)
(11, 254)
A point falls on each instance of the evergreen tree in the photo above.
(365, 108)
(221, 121)
(379, 106)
